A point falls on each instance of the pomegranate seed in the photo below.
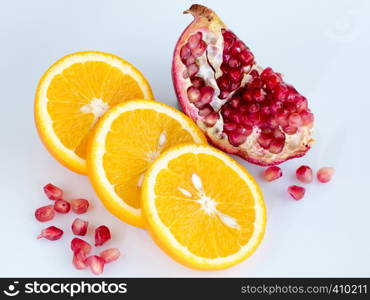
(79, 206)
(51, 233)
(200, 49)
(207, 94)
(297, 192)
(79, 227)
(280, 92)
(192, 70)
(253, 107)
(235, 76)
(79, 257)
(194, 40)
(307, 117)
(247, 95)
(234, 62)
(197, 82)
(95, 263)
(185, 52)
(304, 174)
(301, 104)
(229, 126)
(325, 174)
(110, 255)
(266, 73)
(290, 129)
(228, 43)
(211, 119)
(62, 206)
(77, 244)
(205, 111)
(272, 173)
(295, 120)
(276, 146)
(45, 213)
(235, 102)
(272, 81)
(264, 140)
(246, 57)
(190, 60)
(102, 234)
(193, 94)
(223, 83)
(53, 192)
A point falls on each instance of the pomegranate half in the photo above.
(242, 108)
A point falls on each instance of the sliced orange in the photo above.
(203, 208)
(126, 141)
(72, 95)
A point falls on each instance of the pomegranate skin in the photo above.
(209, 25)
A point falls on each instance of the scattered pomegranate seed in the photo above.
(95, 263)
(297, 192)
(272, 173)
(51, 233)
(325, 174)
(102, 234)
(79, 206)
(79, 258)
(45, 213)
(79, 227)
(304, 174)
(53, 192)
(62, 206)
(110, 255)
(77, 244)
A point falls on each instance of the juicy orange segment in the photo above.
(125, 143)
(202, 207)
(74, 93)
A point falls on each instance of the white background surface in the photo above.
(322, 47)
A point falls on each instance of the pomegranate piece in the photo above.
(297, 192)
(110, 255)
(77, 244)
(95, 263)
(53, 192)
(304, 174)
(51, 233)
(62, 206)
(79, 206)
(79, 227)
(272, 173)
(79, 257)
(102, 234)
(325, 174)
(45, 213)
(237, 103)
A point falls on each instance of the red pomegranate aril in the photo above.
(185, 52)
(51, 233)
(62, 206)
(199, 49)
(282, 118)
(224, 83)
(253, 107)
(278, 134)
(266, 73)
(280, 92)
(272, 81)
(290, 130)
(77, 244)
(79, 206)
(193, 94)
(272, 173)
(225, 67)
(265, 109)
(197, 82)
(276, 146)
(194, 40)
(110, 255)
(95, 263)
(189, 61)
(307, 117)
(45, 213)
(236, 139)
(102, 234)
(247, 95)
(246, 57)
(264, 140)
(235, 75)
(236, 117)
(206, 94)
(325, 174)
(304, 174)
(295, 120)
(297, 192)
(53, 192)
(79, 258)
(235, 102)
(205, 111)
(256, 84)
(229, 126)
(301, 104)
(234, 62)
(79, 227)
(192, 70)
(211, 119)
(228, 43)
(226, 112)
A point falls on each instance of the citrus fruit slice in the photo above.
(203, 208)
(72, 95)
(125, 142)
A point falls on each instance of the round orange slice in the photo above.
(74, 93)
(203, 208)
(125, 142)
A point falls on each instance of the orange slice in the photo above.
(203, 208)
(126, 141)
(74, 93)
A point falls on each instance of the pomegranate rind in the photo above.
(296, 145)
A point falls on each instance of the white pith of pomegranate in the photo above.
(242, 108)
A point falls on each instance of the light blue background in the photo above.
(322, 47)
